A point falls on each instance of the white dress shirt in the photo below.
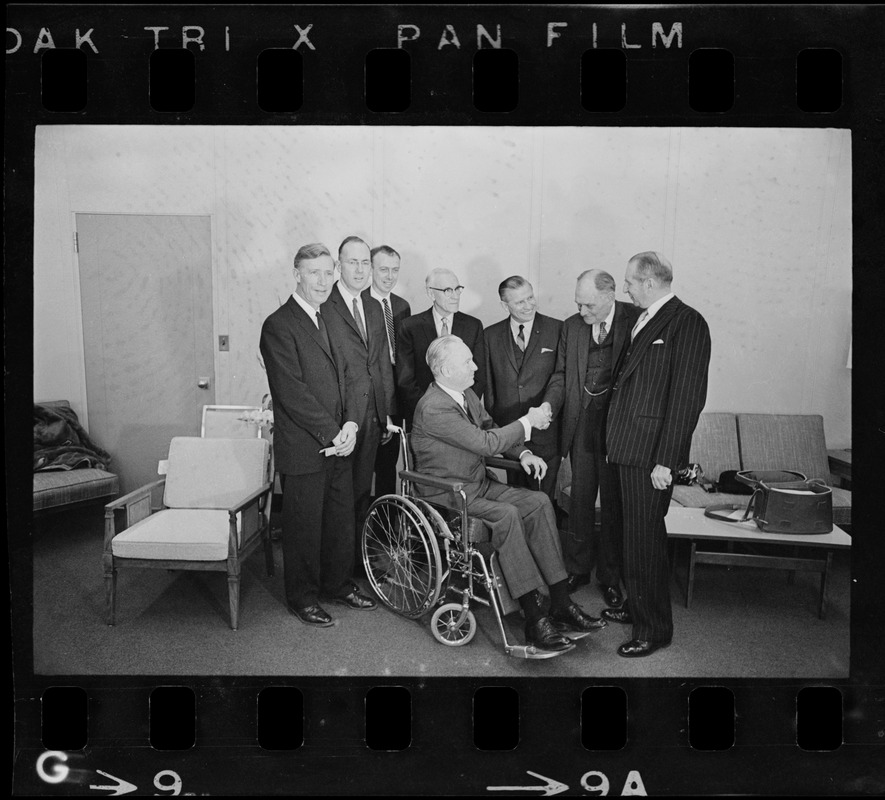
(349, 297)
(311, 311)
(650, 312)
(526, 330)
(437, 321)
(608, 324)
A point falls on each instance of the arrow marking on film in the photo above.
(121, 787)
(550, 788)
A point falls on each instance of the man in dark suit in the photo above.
(314, 435)
(592, 342)
(520, 358)
(356, 324)
(451, 437)
(413, 376)
(385, 274)
(659, 391)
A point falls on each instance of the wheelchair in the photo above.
(419, 555)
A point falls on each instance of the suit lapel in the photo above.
(534, 342)
(336, 300)
(649, 333)
(307, 324)
(585, 331)
(505, 343)
(621, 333)
(428, 328)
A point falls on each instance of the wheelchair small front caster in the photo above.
(453, 625)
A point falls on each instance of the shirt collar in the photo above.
(609, 319)
(311, 311)
(658, 304)
(458, 397)
(527, 326)
(348, 295)
(438, 318)
(373, 292)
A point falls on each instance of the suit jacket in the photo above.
(511, 390)
(309, 384)
(566, 388)
(446, 443)
(371, 372)
(659, 390)
(401, 310)
(413, 376)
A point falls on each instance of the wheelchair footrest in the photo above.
(530, 651)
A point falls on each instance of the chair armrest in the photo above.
(500, 462)
(420, 478)
(135, 495)
(251, 498)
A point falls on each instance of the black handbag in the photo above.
(783, 501)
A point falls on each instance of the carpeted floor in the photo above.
(742, 623)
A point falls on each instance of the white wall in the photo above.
(756, 222)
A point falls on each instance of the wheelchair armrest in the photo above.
(422, 479)
(500, 462)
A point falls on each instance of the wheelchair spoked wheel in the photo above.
(453, 625)
(401, 556)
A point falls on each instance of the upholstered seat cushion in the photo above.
(182, 534)
(214, 473)
(54, 488)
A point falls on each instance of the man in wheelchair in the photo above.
(451, 435)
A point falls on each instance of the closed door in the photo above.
(146, 296)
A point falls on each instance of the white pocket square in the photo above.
(546, 349)
(658, 341)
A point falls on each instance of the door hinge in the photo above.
(76, 243)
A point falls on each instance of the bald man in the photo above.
(590, 345)
(413, 376)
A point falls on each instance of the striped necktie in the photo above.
(520, 339)
(391, 334)
(602, 333)
(445, 327)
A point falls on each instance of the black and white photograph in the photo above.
(178, 276)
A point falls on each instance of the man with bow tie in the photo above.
(658, 393)
(591, 343)
(451, 436)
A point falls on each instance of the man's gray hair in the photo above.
(652, 264)
(438, 352)
(601, 280)
(308, 252)
(432, 275)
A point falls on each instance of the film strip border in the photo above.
(472, 736)
(415, 65)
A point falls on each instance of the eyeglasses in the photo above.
(352, 263)
(449, 291)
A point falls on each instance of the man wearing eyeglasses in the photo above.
(356, 323)
(443, 318)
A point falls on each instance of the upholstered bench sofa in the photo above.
(59, 489)
(724, 441)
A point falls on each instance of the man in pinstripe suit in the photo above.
(659, 391)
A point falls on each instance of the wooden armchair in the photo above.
(206, 514)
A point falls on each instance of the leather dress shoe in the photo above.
(576, 581)
(612, 596)
(636, 648)
(572, 619)
(620, 615)
(543, 635)
(312, 615)
(356, 599)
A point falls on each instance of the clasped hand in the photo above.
(541, 416)
(345, 441)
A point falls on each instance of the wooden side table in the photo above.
(840, 466)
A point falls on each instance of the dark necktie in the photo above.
(391, 335)
(602, 332)
(359, 321)
(323, 334)
(520, 338)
